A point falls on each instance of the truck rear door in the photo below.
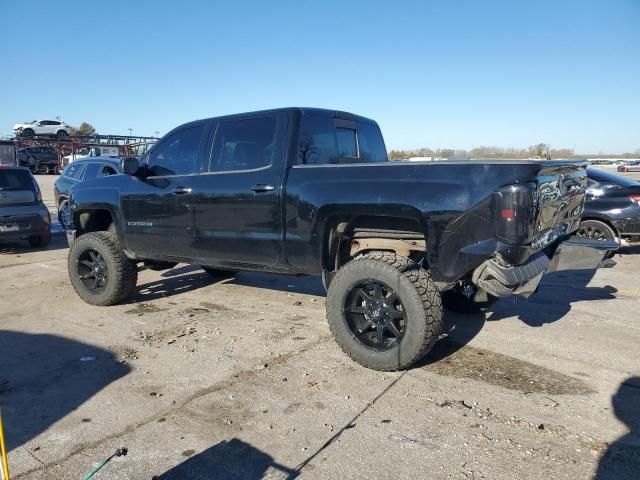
(237, 201)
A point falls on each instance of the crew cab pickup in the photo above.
(312, 192)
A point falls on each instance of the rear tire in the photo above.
(416, 301)
(42, 169)
(117, 275)
(38, 241)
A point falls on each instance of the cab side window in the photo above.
(244, 144)
(327, 140)
(177, 154)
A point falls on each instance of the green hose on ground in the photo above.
(121, 452)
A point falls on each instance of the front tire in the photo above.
(99, 271)
(28, 133)
(62, 134)
(384, 311)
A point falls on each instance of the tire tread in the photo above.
(429, 295)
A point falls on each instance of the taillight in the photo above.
(635, 198)
(514, 211)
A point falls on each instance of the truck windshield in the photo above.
(323, 140)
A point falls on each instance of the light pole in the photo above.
(130, 130)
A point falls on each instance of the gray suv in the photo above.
(22, 213)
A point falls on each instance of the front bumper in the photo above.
(574, 254)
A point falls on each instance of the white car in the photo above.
(42, 127)
(86, 152)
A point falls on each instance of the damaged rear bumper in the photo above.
(573, 254)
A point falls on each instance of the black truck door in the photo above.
(158, 214)
(237, 203)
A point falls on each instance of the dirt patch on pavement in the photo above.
(450, 359)
(143, 308)
(123, 354)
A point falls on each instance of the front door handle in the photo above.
(261, 188)
(182, 190)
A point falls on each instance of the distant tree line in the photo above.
(540, 150)
(85, 129)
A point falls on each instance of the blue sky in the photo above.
(432, 73)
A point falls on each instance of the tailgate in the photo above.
(560, 202)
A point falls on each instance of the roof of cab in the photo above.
(322, 112)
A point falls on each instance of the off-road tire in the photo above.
(418, 295)
(123, 273)
(38, 241)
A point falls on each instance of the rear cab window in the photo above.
(328, 140)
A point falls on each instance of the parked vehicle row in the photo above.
(311, 192)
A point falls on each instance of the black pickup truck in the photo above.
(311, 191)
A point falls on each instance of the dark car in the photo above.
(311, 192)
(612, 209)
(40, 160)
(22, 213)
(79, 171)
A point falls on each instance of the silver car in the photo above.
(22, 213)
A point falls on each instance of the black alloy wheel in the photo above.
(93, 271)
(596, 230)
(375, 315)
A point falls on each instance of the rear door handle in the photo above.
(260, 188)
(182, 190)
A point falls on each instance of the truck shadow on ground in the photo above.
(622, 459)
(553, 300)
(45, 377)
(186, 278)
(230, 459)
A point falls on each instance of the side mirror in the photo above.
(129, 166)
